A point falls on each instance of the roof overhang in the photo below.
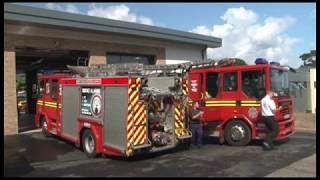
(25, 14)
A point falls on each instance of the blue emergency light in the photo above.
(275, 63)
(261, 61)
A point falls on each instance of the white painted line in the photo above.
(31, 131)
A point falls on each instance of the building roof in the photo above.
(25, 14)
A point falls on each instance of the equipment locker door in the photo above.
(115, 117)
(70, 111)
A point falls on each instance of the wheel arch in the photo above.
(243, 119)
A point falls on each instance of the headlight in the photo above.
(286, 116)
(275, 94)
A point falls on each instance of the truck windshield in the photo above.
(279, 81)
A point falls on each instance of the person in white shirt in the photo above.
(268, 109)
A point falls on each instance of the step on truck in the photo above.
(119, 110)
(230, 96)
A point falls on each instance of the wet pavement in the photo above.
(32, 155)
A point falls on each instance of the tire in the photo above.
(44, 127)
(237, 133)
(89, 144)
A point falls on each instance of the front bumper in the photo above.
(286, 129)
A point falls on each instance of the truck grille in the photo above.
(284, 103)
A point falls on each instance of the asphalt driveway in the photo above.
(34, 155)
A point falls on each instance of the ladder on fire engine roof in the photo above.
(140, 69)
(126, 69)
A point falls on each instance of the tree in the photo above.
(309, 59)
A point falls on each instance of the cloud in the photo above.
(120, 12)
(243, 37)
(239, 16)
(69, 8)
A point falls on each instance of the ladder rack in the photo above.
(127, 69)
(142, 70)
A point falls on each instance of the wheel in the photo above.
(89, 144)
(237, 133)
(44, 127)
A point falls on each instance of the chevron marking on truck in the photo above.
(185, 87)
(179, 126)
(140, 124)
(136, 126)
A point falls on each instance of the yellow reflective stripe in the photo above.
(40, 102)
(220, 104)
(250, 101)
(250, 104)
(52, 103)
(220, 101)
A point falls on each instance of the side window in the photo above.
(253, 83)
(212, 85)
(41, 89)
(47, 87)
(230, 81)
(54, 89)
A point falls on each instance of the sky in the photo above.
(275, 31)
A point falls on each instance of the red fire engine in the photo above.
(114, 111)
(231, 95)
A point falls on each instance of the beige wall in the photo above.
(10, 102)
(97, 50)
(173, 50)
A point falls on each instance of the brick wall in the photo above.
(10, 102)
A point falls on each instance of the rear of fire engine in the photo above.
(120, 110)
(231, 95)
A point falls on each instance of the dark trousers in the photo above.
(272, 129)
(197, 133)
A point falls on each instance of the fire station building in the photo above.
(38, 39)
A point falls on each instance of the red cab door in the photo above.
(212, 96)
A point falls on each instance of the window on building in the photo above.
(253, 83)
(212, 85)
(121, 58)
(54, 89)
(230, 81)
